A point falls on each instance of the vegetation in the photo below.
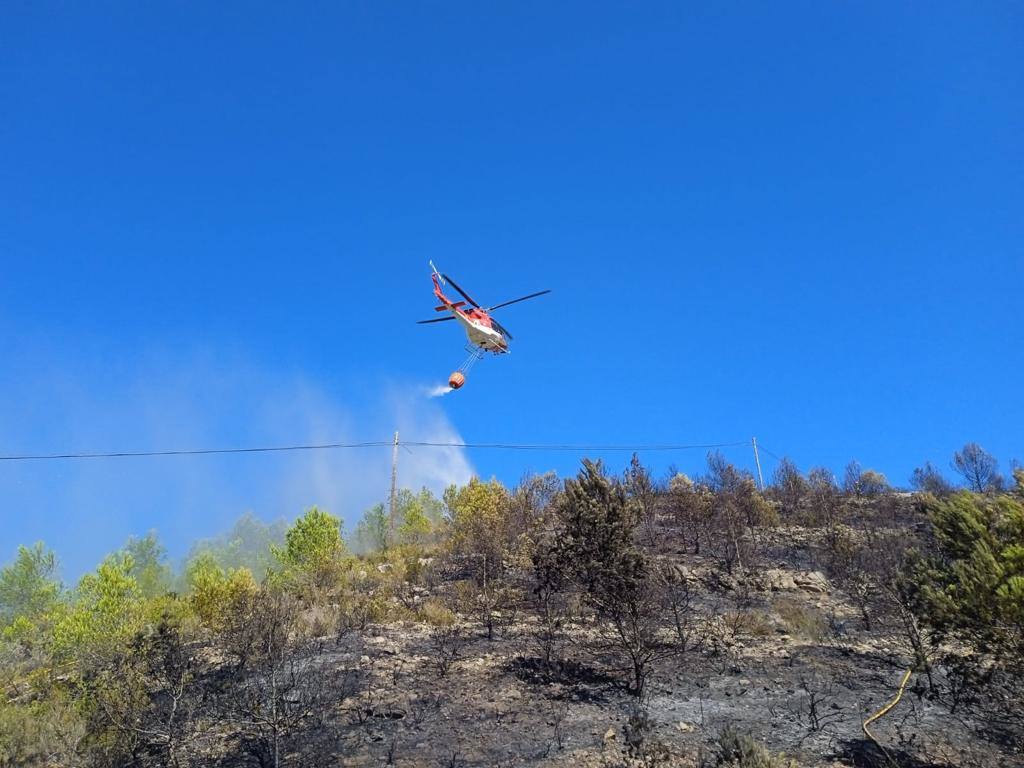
(969, 589)
(259, 649)
(738, 750)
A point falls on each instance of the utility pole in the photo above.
(394, 488)
(757, 460)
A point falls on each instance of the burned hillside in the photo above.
(605, 619)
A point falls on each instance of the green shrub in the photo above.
(737, 750)
(45, 731)
(214, 592)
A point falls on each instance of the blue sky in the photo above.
(801, 221)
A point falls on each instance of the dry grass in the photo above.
(804, 621)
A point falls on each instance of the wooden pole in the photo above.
(394, 489)
(757, 460)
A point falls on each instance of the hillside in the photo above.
(600, 620)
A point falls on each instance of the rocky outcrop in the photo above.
(780, 580)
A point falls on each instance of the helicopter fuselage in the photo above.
(479, 331)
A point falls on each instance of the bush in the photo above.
(755, 623)
(737, 750)
(436, 614)
(45, 731)
(802, 620)
(215, 593)
(357, 610)
(446, 642)
(864, 482)
(928, 479)
(789, 486)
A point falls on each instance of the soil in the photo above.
(806, 696)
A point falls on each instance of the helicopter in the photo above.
(484, 333)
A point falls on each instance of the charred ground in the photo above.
(601, 620)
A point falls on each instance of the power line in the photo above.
(189, 452)
(773, 455)
(570, 447)
(371, 444)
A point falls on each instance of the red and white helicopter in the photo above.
(485, 334)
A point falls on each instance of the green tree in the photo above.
(149, 565)
(215, 592)
(248, 544)
(421, 515)
(106, 610)
(972, 588)
(595, 541)
(313, 548)
(372, 531)
(594, 547)
(529, 507)
(423, 502)
(416, 528)
(313, 540)
(419, 520)
(28, 587)
(478, 515)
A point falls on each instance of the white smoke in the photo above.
(206, 402)
(439, 391)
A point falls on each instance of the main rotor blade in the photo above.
(524, 298)
(435, 320)
(464, 294)
(501, 328)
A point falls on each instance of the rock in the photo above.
(778, 580)
(679, 573)
(385, 567)
(685, 727)
(609, 735)
(812, 581)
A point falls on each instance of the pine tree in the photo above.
(970, 590)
